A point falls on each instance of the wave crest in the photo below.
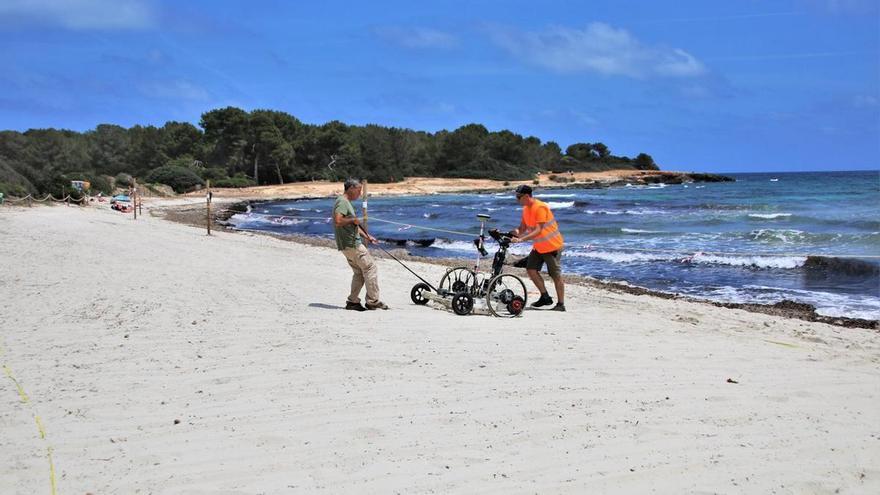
(769, 216)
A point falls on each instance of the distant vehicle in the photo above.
(121, 202)
(774, 180)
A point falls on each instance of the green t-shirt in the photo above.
(347, 236)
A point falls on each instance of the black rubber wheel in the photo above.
(516, 305)
(417, 294)
(506, 296)
(462, 303)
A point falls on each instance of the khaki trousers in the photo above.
(365, 272)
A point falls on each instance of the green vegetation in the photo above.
(235, 148)
(238, 181)
(181, 179)
(124, 180)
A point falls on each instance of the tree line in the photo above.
(232, 147)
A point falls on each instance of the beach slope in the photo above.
(155, 359)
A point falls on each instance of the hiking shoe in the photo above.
(378, 305)
(558, 307)
(354, 306)
(544, 300)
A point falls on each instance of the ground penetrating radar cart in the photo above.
(469, 291)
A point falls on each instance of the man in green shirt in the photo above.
(348, 240)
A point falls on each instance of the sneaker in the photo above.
(378, 305)
(558, 307)
(544, 300)
(354, 306)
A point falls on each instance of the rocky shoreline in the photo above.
(560, 181)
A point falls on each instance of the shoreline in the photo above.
(785, 308)
(432, 185)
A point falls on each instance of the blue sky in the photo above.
(742, 85)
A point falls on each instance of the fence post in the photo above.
(133, 198)
(366, 198)
(208, 198)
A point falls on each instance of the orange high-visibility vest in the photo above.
(550, 239)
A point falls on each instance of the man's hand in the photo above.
(515, 240)
(370, 239)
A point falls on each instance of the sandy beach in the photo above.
(146, 357)
(427, 185)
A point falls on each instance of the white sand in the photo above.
(115, 329)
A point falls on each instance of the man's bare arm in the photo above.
(341, 221)
(530, 234)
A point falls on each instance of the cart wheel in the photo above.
(516, 305)
(462, 303)
(417, 294)
(459, 279)
(506, 296)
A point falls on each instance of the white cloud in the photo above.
(417, 37)
(80, 14)
(597, 48)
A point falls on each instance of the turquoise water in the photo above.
(763, 238)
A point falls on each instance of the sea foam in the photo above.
(769, 216)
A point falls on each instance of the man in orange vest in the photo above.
(539, 226)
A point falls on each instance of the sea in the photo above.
(767, 237)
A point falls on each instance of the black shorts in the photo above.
(536, 261)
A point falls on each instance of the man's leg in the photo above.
(560, 289)
(357, 277)
(533, 267)
(370, 274)
(555, 270)
(535, 275)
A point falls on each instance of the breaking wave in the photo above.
(621, 256)
(769, 216)
(825, 264)
(784, 262)
(785, 236)
(468, 247)
(625, 212)
(261, 219)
